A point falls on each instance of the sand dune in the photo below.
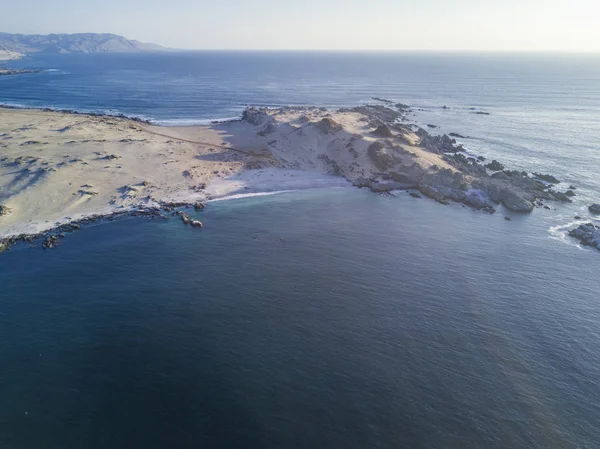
(55, 167)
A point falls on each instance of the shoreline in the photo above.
(118, 165)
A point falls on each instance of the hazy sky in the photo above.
(560, 25)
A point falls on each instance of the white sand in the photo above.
(270, 180)
(55, 167)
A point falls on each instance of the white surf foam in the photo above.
(192, 121)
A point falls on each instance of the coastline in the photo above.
(62, 167)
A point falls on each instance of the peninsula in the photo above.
(58, 168)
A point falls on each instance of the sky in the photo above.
(442, 25)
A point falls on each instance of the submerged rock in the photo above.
(588, 234)
(50, 242)
(560, 196)
(594, 208)
(548, 178)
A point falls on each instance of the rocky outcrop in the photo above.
(186, 219)
(509, 198)
(50, 242)
(476, 201)
(328, 126)
(381, 158)
(432, 192)
(437, 144)
(560, 196)
(515, 202)
(495, 166)
(256, 116)
(547, 178)
(199, 205)
(269, 129)
(50, 238)
(588, 234)
(383, 131)
(594, 208)
(4, 210)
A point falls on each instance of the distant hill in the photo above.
(71, 43)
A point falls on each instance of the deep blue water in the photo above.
(325, 318)
(333, 318)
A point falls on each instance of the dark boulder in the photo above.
(328, 126)
(50, 242)
(587, 234)
(383, 131)
(547, 178)
(494, 166)
(380, 157)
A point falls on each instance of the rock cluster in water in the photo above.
(588, 234)
(50, 239)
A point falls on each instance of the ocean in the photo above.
(325, 317)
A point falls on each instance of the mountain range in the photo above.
(71, 43)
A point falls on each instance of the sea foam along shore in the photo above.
(59, 167)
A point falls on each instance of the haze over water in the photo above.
(324, 318)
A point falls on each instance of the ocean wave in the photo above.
(238, 196)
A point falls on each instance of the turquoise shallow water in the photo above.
(325, 318)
